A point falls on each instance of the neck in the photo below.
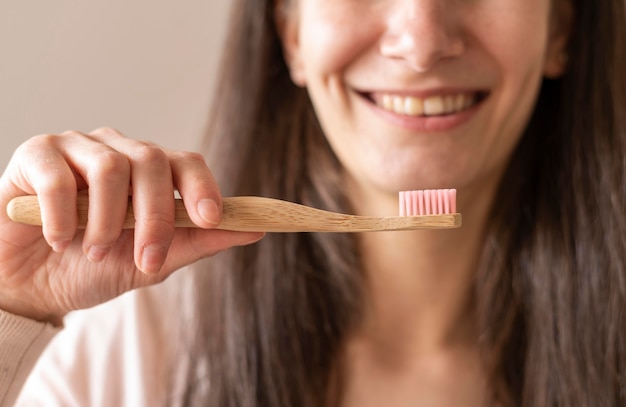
(419, 284)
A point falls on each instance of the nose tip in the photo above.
(423, 53)
(421, 37)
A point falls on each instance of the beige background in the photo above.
(145, 67)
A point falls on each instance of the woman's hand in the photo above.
(48, 271)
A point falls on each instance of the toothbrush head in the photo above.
(427, 202)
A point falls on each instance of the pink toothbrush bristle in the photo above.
(427, 202)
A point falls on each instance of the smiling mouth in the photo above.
(436, 105)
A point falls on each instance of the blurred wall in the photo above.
(145, 67)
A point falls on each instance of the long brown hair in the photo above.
(269, 319)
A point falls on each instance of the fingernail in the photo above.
(209, 211)
(97, 253)
(60, 246)
(152, 258)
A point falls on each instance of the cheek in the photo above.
(513, 33)
(517, 54)
(334, 34)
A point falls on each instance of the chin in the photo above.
(420, 174)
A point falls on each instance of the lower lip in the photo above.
(427, 123)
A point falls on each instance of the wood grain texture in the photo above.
(252, 213)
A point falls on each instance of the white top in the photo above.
(115, 354)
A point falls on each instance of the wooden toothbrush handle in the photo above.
(239, 213)
(26, 210)
(251, 213)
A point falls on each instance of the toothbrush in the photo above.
(428, 209)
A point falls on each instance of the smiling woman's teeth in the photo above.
(430, 106)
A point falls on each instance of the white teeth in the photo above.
(459, 102)
(434, 106)
(449, 103)
(398, 105)
(413, 106)
(387, 102)
(430, 106)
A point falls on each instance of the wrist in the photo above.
(25, 311)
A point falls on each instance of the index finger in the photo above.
(197, 187)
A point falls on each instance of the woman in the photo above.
(518, 104)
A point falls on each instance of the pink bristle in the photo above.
(414, 202)
(453, 200)
(407, 202)
(427, 202)
(440, 201)
(420, 202)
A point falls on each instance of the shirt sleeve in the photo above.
(114, 354)
(22, 341)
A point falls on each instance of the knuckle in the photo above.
(56, 232)
(56, 183)
(40, 162)
(111, 164)
(106, 132)
(149, 143)
(104, 238)
(72, 133)
(189, 157)
(148, 154)
(160, 223)
(197, 173)
(158, 218)
(203, 184)
(39, 143)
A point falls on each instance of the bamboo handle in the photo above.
(248, 213)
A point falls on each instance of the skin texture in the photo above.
(417, 337)
(47, 272)
(342, 49)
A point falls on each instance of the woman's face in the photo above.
(422, 93)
